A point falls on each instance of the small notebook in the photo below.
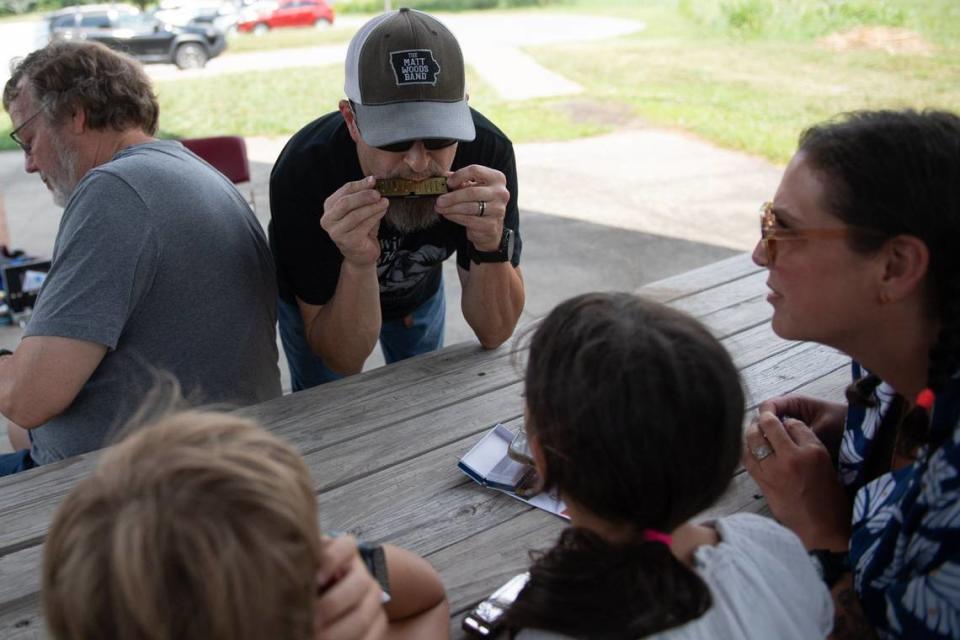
(488, 464)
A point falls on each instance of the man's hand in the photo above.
(824, 418)
(351, 215)
(349, 605)
(799, 481)
(469, 187)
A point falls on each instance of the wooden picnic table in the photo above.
(383, 448)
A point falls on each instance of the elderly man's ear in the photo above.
(78, 122)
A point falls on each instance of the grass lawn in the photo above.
(746, 74)
(754, 93)
(287, 38)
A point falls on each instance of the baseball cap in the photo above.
(405, 77)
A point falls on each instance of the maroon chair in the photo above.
(226, 153)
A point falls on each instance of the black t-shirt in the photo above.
(320, 159)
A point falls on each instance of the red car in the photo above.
(287, 13)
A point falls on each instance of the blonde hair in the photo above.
(202, 525)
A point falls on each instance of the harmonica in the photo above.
(400, 188)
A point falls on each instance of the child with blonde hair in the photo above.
(204, 526)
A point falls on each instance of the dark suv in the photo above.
(124, 28)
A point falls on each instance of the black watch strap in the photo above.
(376, 561)
(503, 253)
(831, 565)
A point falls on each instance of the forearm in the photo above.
(433, 623)
(345, 330)
(24, 408)
(18, 436)
(849, 620)
(418, 605)
(492, 301)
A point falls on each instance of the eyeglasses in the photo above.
(770, 234)
(15, 134)
(431, 144)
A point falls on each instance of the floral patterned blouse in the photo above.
(905, 542)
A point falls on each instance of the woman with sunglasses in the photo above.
(861, 243)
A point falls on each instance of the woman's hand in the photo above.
(824, 418)
(794, 471)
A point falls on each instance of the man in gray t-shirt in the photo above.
(159, 266)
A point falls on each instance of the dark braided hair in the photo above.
(638, 411)
(898, 172)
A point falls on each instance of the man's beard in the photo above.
(407, 215)
(62, 180)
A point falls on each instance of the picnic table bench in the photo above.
(382, 447)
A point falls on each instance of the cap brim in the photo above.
(389, 123)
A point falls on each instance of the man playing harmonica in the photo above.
(369, 265)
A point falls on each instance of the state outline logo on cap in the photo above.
(413, 66)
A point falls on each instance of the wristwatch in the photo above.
(376, 562)
(502, 254)
(830, 565)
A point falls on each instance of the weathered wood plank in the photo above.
(473, 568)
(725, 295)
(318, 425)
(789, 370)
(437, 506)
(738, 317)
(753, 345)
(698, 280)
(20, 574)
(383, 448)
(21, 619)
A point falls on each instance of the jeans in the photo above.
(11, 463)
(397, 339)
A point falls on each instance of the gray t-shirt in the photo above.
(763, 586)
(158, 258)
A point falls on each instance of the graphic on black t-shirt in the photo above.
(401, 270)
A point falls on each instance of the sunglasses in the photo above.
(770, 234)
(15, 134)
(430, 144)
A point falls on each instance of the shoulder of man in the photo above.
(487, 130)
(318, 160)
(490, 148)
(317, 142)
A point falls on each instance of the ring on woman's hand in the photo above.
(483, 208)
(761, 452)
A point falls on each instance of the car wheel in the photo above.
(261, 28)
(322, 23)
(190, 55)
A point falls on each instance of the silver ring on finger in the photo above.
(483, 208)
(761, 452)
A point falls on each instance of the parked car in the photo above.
(286, 13)
(125, 28)
(221, 14)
